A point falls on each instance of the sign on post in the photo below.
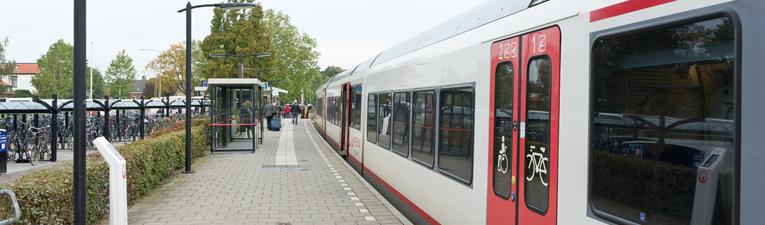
(117, 181)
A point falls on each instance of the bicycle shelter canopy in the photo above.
(235, 107)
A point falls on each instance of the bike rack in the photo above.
(16, 210)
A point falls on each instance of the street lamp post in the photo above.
(79, 72)
(188, 9)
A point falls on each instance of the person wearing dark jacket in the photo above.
(269, 111)
(295, 110)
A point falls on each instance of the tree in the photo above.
(294, 54)
(56, 71)
(170, 67)
(238, 32)
(148, 89)
(99, 91)
(330, 71)
(119, 76)
(21, 93)
(198, 63)
(6, 67)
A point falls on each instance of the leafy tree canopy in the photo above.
(6, 67)
(237, 32)
(170, 67)
(99, 88)
(294, 54)
(56, 71)
(21, 93)
(119, 75)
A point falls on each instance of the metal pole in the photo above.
(80, 182)
(188, 88)
(107, 108)
(117, 125)
(54, 129)
(241, 75)
(262, 106)
(91, 71)
(143, 109)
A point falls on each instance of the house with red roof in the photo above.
(21, 78)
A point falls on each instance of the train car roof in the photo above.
(474, 18)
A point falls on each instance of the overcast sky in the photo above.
(348, 31)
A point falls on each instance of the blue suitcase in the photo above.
(276, 123)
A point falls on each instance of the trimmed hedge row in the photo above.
(45, 196)
(646, 184)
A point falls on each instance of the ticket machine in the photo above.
(706, 187)
(117, 181)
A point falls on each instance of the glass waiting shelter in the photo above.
(235, 107)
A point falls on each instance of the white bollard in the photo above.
(117, 181)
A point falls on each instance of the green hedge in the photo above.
(45, 196)
(646, 184)
(655, 186)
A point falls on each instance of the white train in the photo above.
(564, 112)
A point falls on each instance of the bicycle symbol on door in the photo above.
(503, 163)
(538, 162)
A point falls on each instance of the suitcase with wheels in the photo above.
(276, 123)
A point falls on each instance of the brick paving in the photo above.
(247, 188)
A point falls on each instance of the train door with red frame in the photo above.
(523, 163)
(345, 98)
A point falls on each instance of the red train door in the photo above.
(505, 56)
(345, 98)
(523, 166)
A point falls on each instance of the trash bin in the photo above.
(3, 151)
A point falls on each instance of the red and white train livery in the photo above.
(563, 112)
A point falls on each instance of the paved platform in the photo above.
(294, 178)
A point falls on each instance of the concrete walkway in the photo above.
(294, 178)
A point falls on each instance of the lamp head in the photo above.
(218, 55)
(234, 6)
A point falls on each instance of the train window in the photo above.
(356, 122)
(504, 92)
(372, 118)
(401, 123)
(455, 135)
(663, 101)
(383, 120)
(423, 127)
(538, 130)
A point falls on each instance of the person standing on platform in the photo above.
(279, 109)
(247, 116)
(286, 110)
(295, 109)
(269, 110)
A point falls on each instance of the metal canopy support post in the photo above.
(140, 122)
(107, 108)
(167, 107)
(117, 126)
(188, 88)
(54, 129)
(262, 107)
(66, 126)
(80, 182)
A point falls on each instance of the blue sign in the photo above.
(265, 85)
(3, 141)
(204, 83)
(642, 217)
(698, 157)
(358, 89)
